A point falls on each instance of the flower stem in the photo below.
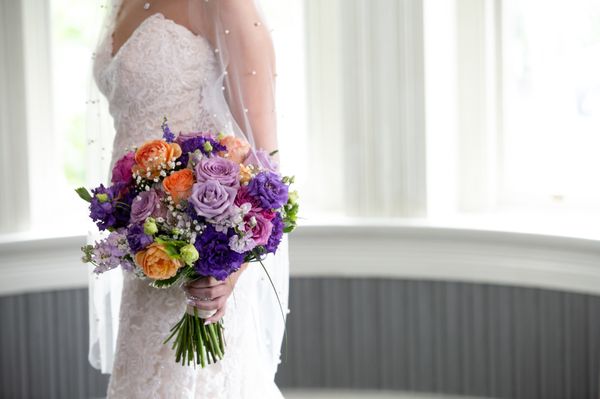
(200, 348)
(195, 342)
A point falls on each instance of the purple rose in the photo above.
(211, 199)
(268, 188)
(121, 172)
(276, 234)
(181, 137)
(261, 231)
(223, 170)
(143, 205)
(137, 239)
(262, 159)
(109, 207)
(217, 259)
(197, 141)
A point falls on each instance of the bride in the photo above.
(207, 65)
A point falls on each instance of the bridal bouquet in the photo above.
(185, 207)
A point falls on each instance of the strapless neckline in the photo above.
(157, 16)
(161, 70)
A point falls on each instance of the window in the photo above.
(73, 26)
(69, 28)
(551, 107)
(73, 40)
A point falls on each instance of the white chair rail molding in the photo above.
(409, 250)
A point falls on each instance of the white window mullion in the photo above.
(441, 107)
(355, 92)
(477, 84)
(413, 200)
(324, 106)
(46, 177)
(14, 169)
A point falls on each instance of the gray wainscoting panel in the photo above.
(428, 336)
(43, 347)
(446, 337)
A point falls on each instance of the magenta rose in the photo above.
(261, 231)
(243, 196)
(121, 172)
(143, 206)
(268, 214)
(211, 199)
(220, 169)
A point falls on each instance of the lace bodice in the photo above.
(161, 71)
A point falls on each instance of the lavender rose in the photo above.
(143, 205)
(211, 199)
(223, 170)
(268, 188)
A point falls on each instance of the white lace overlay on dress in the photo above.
(159, 71)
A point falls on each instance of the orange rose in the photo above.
(156, 263)
(179, 184)
(152, 153)
(237, 149)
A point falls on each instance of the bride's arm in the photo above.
(250, 94)
(251, 71)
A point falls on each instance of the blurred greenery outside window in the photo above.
(74, 27)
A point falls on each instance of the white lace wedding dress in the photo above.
(156, 73)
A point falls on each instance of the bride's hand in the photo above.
(212, 294)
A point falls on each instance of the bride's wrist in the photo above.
(235, 275)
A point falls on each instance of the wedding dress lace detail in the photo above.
(158, 72)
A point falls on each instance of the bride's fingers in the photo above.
(204, 282)
(211, 292)
(216, 317)
(215, 303)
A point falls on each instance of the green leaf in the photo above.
(172, 251)
(171, 246)
(166, 240)
(166, 283)
(84, 194)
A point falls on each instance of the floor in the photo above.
(338, 394)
